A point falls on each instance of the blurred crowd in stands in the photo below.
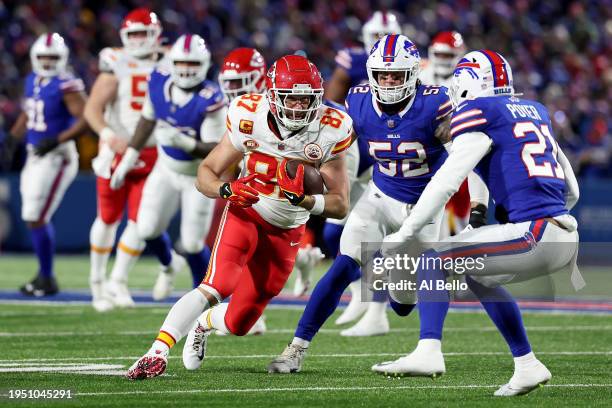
(560, 51)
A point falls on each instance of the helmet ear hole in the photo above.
(464, 94)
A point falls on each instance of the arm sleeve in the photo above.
(572, 192)
(465, 154)
(478, 189)
(213, 126)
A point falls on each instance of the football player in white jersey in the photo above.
(189, 112)
(267, 210)
(113, 111)
(52, 117)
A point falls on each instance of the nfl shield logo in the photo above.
(391, 123)
(281, 146)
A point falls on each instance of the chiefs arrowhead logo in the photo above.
(246, 126)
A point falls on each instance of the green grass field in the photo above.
(50, 347)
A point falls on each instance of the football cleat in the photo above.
(100, 300)
(194, 349)
(258, 328)
(152, 364)
(307, 258)
(371, 324)
(120, 294)
(525, 380)
(416, 364)
(40, 286)
(355, 307)
(290, 361)
(165, 280)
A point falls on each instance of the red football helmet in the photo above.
(290, 79)
(444, 52)
(140, 32)
(243, 71)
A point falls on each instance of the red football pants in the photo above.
(251, 261)
(111, 203)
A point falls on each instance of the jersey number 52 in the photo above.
(409, 167)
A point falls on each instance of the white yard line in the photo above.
(332, 389)
(291, 330)
(45, 361)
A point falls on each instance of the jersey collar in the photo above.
(401, 113)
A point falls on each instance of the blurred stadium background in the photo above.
(560, 51)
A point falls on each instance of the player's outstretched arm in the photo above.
(335, 176)
(142, 133)
(212, 169)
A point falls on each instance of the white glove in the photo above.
(116, 143)
(172, 137)
(101, 164)
(123, 168)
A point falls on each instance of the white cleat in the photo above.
(257, 329)
(368, 325)
(120, 294)
(194, 349)
(165, 280)
(307, 258)
(100, 300)
(290, 361)
(150, 365)
(415, 364)
(525, 380)
(355, 307)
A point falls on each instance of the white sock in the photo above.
(300, 342)
(214, 318)
(101, 239)
(376, 311)
(355, 288)
(429, 345)
(525, 361)
(128, 251)
(183, 314)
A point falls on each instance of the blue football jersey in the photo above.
(187, 118)
(521, 170)
(353, 61)
(44, 105)
(405, 150)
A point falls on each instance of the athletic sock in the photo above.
(162, 248)
(180, 319)
(198, 263)
(433, 304)
(300, 342)
(326, 295)
(214, 318)
(101, 239)
(128, 251)
(43, 241)
(504, 312)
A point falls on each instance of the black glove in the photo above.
(45, 146)
(478, 216)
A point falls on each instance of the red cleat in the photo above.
(150, 365)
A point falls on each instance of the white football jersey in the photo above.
(122, 114)
(250, 132)
(428, 77)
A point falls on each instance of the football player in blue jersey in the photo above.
(188, 114)
(52, 118)
(351, 71)
(509, 142)
(404, 125)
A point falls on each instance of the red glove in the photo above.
(239, 193)
(292, 188)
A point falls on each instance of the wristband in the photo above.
(319, 204)
(107, 134)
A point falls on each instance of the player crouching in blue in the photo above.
(401, 120)
(510, 144)
(52, 118)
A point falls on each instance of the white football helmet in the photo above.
(481, 73)
(141, 20)
(380, 24)
(52, 46)
(191, 49)
(394, 53)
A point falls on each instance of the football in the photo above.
(313, 182)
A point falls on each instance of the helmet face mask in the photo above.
(49, 55)
(190, 60)
(393, 69)
(140, 32)
(242, 72)
(295, 91)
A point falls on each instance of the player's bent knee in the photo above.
(193, 246)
